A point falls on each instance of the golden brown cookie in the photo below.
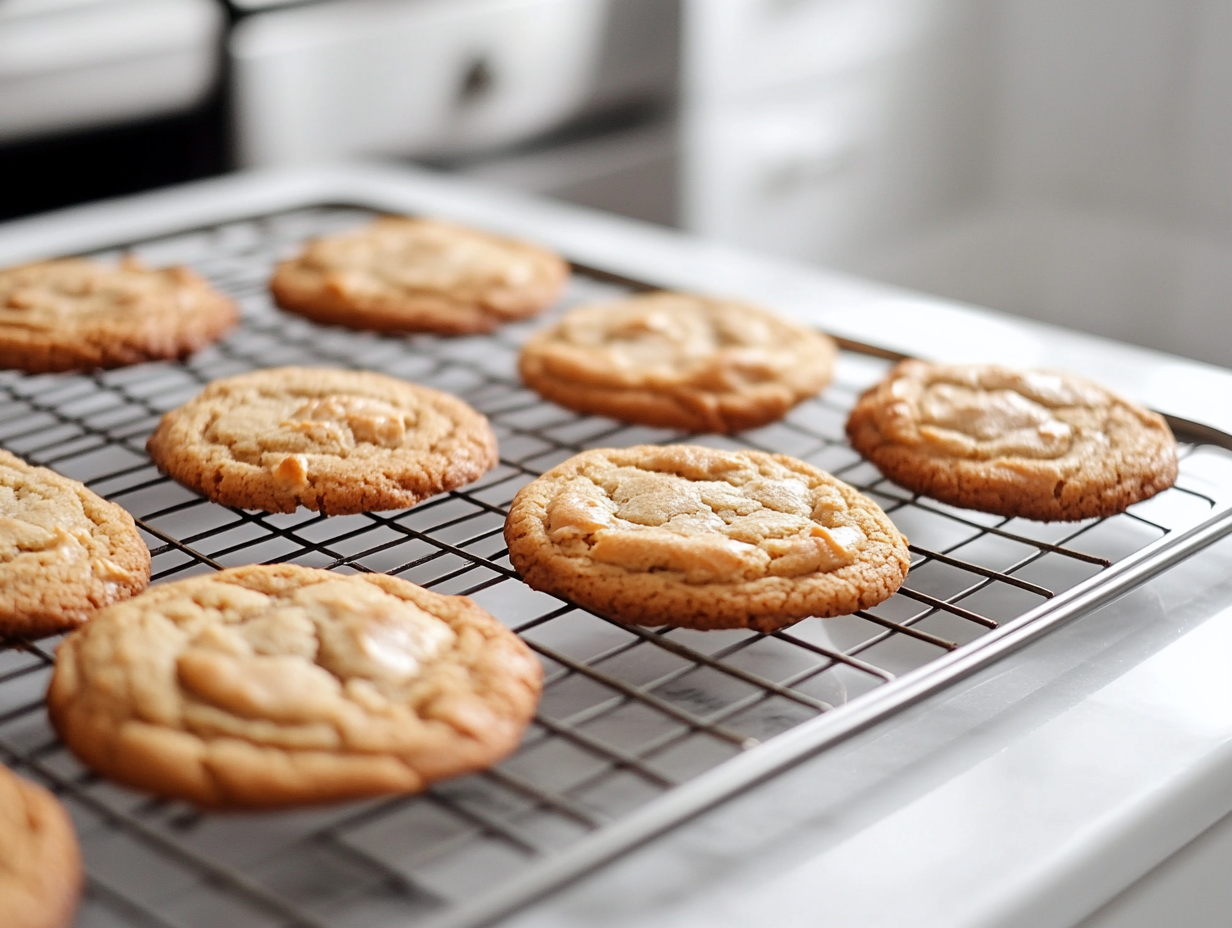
(686, 535)
(419, 275)
(269, 686)
(40, 862)
(332, 440)
(77, 314)
(64, 551)
(1041, 445)
(678, 361)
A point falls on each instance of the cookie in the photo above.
(678, 361)
(40, 862)
(331, 440)
(64, 551)
(1040, 445)
(267, 686)
(77, 314)
(419, 275)
(692, 536)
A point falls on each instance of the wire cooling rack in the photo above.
(629, 717)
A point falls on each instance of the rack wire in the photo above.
(628, 714)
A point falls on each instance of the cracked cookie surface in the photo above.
(1036, 444)
(330, 440)
(64, 551)
(78, 314)
(693, 536)
(40, 861)
(269, 686)
(419, 275)
(678, 361)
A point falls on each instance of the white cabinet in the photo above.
(77, 64)
(790, 176)
(409, 77)
(740, 47)
(802, 130)
(1068, 160)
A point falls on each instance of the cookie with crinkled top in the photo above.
(78, 314)
(334, 441)
(1036, 444)
(40, 861)
(693, 536)
(400, 274)
(65, 552)
(678, 361)
(268, 686)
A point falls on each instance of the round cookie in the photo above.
(419, 275)
(64, 551)
(678, 361)
(267, 686)
(77, 314)
(692, 536)
(40, 862)
(332, 440)
(1040, 445)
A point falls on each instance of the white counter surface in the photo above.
(1027, 795)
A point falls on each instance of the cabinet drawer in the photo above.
(734, 47)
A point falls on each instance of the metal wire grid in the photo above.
(627, 714)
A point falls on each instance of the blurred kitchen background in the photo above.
(1067, 160)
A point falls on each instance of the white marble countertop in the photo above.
(1028, 794)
